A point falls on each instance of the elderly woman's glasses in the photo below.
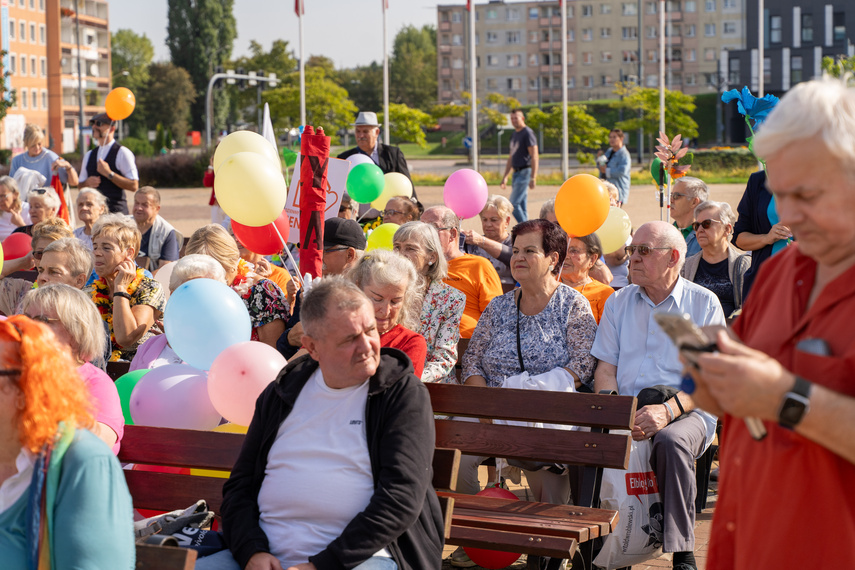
(38, 191)
(387, 213)
(43, 319)
(642, 249)
(706, 224)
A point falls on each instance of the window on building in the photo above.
(532, 60)
(629, 9)
(767, 70)
(652, 80)
(532, 37)
(545, 36)
(775, 31)
(733, 68)
(606, 80)
(545, 59)
(443, 16)
(673, 6)
(446, 84)
(532, 13)
(709, 5)
(570, 11)
(606, 57)
(711, 79)
(651, 7)
(630, 56)
(690, 6)
(42, 5)
(807, 27)
(652, 31)
(445, 62)
(33, 7)
(35, 96)
(514, 83)
(532, 83)
(43, 64)
(629, 33)
(457, 40)
(728, 4)
(676, 54)
(691, 54)
(44, 99)
(588, 81)
(652, 55)
(570, 58)
(32, 33)
(839, 27)
(514, 60)
(491, 84)
(513, 14)
(709, 54)
(690, 79)
(457, 17)
(587, 10)
(492, 14)
(796, 69)
(477, 39)
(514, 37)
(12, 29)
(24, 99)
(605, 33)
(544, 81)
(587, 34)
(42, 35)
(492, 37)
(571, 83)
(444, 39)
(728, 28)
(23, 65)
(571, 35)
(33, 65)
(673, 30)
(458, 63)
(13, 64)
(709, 30)
(587, 58)
(492, 61)
(691, 30)
(605, 8)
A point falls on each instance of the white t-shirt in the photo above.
(318, 475)
(6, 225)
(126, 164)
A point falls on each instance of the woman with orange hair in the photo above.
(63, 500)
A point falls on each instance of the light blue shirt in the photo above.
(692, 245)
(630, 339)
(617, 171)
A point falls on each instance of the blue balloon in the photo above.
(203, 317)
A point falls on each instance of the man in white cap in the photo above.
(388, 158)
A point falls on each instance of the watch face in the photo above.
(793, 410)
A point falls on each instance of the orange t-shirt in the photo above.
(279, 276)
(596, 293)
(477, 279)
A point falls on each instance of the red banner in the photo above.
(315, 151)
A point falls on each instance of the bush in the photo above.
(5, 156)
(175, 170)
(140, 147)
(723, 159)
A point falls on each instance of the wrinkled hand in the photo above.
(60, 163)
(291, 289)
(779, 231)
(262, 268)
(741, 381)
(263, 561)
(472, 237)
(91, 182)
(125, 273)
(295, 335)
(104, 168)
(648, 421)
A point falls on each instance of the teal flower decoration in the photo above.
(750, 106)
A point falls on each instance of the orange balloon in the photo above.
(120, 103)
(581, 205)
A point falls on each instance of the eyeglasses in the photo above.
(439, 229)
(642, 249)
(99, 124)
(43, 319)
(706, 224)
(39, 191)
(335, 249)
(38, 254)
(573, 251)
(675, 195)
(387, 213)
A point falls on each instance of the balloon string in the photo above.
(288, 253)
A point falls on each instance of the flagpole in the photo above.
(661, 65)
(300, 9)
(473, 113)
(385, 76)
(565, 159)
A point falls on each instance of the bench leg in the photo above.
(703, 466)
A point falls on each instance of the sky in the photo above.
(350, 32)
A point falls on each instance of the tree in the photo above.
(278, 60)
(412, 70)
(168, 95)
(492, 110)
(678, 111)
(583, 130)
(327, 103)
(200, 34)
(408, 124)
(131, 57)
(364, 84)
(842, 68)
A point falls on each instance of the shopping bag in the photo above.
(635, 494)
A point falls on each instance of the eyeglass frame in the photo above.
(387, 213)
(706, 224)
(630, 249)
(99, 124)
(679, 194)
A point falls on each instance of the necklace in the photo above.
(583, 283)
(33, 159)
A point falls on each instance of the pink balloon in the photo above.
(465, 193)
(174, 396)
(359, 158)
(238, 376)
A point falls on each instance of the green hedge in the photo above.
(176, 170)
(723, 159)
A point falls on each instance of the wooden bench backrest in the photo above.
(208, 450)
(589, 448)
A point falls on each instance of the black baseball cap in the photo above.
(102, 118)
(340, 232)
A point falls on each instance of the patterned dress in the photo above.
(440, 325)
(265, 302)
(561, 335)
(147, 292)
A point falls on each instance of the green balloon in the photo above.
(125, 385)
(365, 182)
(289, 156)
(656, 171)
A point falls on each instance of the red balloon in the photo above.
(16, 246)
(262, 239)
(493, 559)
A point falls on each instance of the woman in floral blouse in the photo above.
(265, 301)
(556, 332)
(443, 305)
(129, 302)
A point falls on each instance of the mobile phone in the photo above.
(685, 334)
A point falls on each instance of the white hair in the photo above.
(49, 195)
(195, 266)
(823, 108)
(725, 213)
(669, 236)
(694, 187)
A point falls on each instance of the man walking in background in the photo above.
(523, 158)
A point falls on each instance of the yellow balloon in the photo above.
(615, 230)
(381, 237)
(250, 188)
(244, 141)
(396, 185)
(230, 428)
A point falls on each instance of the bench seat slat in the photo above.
(593, 410)
(509, 523)
(527, 543)
(180, 448)
(516, 442)
(171, 491)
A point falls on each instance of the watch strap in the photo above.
(795, 405)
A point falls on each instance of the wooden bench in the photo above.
(214, 451)
(532, 528)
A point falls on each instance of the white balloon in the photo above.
(358, 158)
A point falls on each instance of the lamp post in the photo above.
(80, 119)
(123, 73)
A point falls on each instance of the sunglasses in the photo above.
(99, 124)
(676, 195)
(706, 224)
(642, 249)
(387, 213)
(38, 191)
(335, 249)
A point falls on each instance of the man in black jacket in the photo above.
(335, 471)
(388, 158)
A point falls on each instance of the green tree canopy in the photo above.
(132, 54)
(583, 130)
(842, 68)
(678, 111)
(200, 34)
(278, 60)
(365, 85)
(412, 73)
(408, 124)
(167, 97)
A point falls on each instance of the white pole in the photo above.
(302, 71)
(668, 52)
(473, 112)
(385, 78)
(661, 65)
(565, 139)
(760, 48)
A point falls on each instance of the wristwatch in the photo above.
(112, 174)
(795, 405)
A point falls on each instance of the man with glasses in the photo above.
(472, 275)
(687, 193)
(111, 168)
(634, 353)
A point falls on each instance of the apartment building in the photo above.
(40, 38)
(518, 46)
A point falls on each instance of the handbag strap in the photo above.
(519, 347)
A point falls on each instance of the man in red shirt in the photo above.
(796, 370)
